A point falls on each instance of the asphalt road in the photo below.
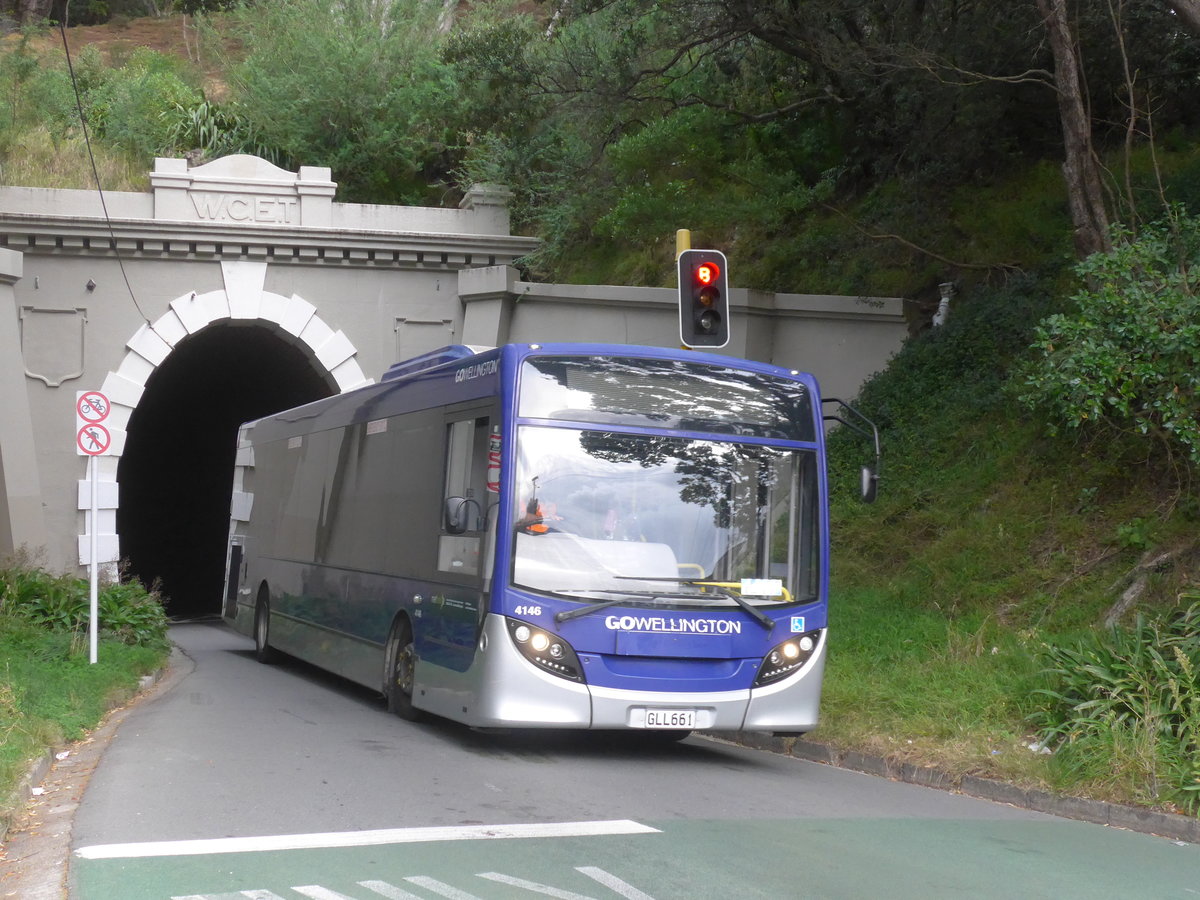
(268, 782)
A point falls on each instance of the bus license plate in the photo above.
(670, 718)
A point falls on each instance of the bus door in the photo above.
(452, 617)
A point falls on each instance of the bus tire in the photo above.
(263, 651)
(400, 663)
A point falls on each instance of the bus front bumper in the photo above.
(515, 694)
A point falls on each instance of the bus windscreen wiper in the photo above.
(630, 597)
(765, 621)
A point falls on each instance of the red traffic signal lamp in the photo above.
(703, 299)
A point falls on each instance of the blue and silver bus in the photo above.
(549, 536)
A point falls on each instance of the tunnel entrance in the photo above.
(176, 471)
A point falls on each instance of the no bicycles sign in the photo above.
(91, 437)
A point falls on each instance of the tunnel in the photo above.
(175, 474)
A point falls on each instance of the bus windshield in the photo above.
(666, 394)
(686, 521)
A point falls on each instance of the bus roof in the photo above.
(461, 372)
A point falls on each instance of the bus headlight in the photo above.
(546, 650)
(784, 659)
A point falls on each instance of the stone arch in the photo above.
(242, 299)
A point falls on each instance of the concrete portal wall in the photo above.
(842, 340)
(89, 304)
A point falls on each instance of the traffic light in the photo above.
(703, 299)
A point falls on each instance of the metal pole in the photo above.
(93, 626)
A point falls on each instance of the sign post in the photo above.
(92, 439)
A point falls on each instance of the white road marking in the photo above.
(533, 886)
(362, 839)
(319, 893)
(383, 889)
(613, 883)
(391, 892)
(249, 895)
(441, 888)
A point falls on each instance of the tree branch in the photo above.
(880, 236)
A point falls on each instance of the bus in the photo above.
(575, 536)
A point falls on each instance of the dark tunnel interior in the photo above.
(176, 472)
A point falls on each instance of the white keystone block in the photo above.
(243, 277)
(335, 351)
(170, 328)
(244, 307)
(107, 494)
(108, 549)
(148, 345)
(190, 312)
(135, 369)
(117, 446)
(271, 307)
(296, 316)
(240, 505)
(316, 333)
(123, 391)
(215, 305)
(244, 287)
(118, 416)
(349, 375)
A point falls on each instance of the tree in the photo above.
(1085, 196)
(28, 12)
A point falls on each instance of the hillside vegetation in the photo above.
(1020, 601)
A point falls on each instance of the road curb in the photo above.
(1116, 815)
(14, 805)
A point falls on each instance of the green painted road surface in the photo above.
(666, 860)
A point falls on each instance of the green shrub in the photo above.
(1127, 358)
(62, 603)
(214, 129)
(1131, 696)
(358, 86)
(128, 106)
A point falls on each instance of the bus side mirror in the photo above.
(870, 484)
(456, 514)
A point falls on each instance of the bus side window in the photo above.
(464, 511)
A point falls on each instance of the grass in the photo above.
(990, 544)
(919, 688)
(36, 158)
(50, 692)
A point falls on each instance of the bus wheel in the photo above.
(263, 651)
(400, 667)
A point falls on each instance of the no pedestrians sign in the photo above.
(91, 437)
